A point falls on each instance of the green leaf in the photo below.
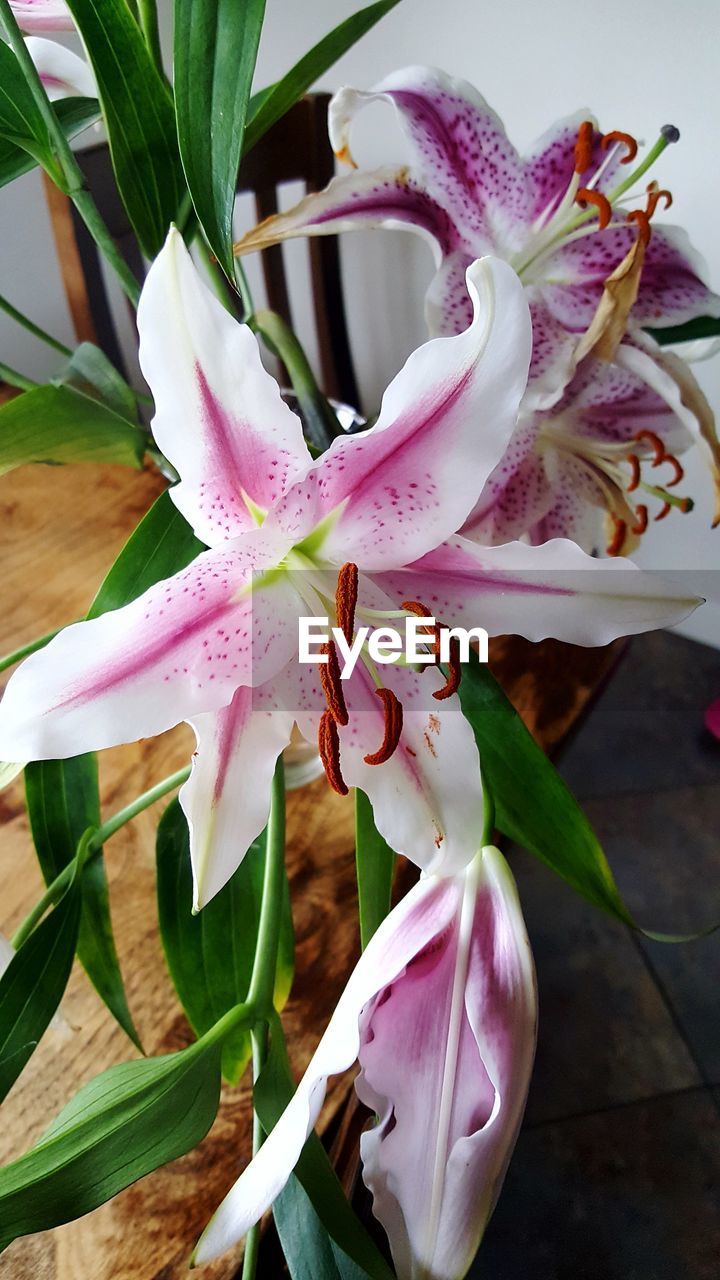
(533, 806)
(162, 544)
(216, 43)
(273, 1090)
(33, 984)
(122, 1125)
(21, 123)
(267, 106)
(210, 955)
(375, 865)
(700, 327)
(74, 114)
(62, 802)
(309, 1252)
(139, 118)
(60, 424)
(90, 371)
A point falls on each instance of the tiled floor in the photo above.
(616, 1175)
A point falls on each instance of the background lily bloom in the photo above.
(440, 1012)
(42, 15)
(217, 644)
(63, 73)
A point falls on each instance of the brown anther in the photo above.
(616, 135)
(643, 224)
(420, 611)
(664, 511)
(617, 542)
(332, 684)
(678, 472)
(641, 521)
(656, 444)
(599, 201)
(655, 194)
(584, 146)
(393, 727)
(452, 682)
(634, 480)
(329, 748)
(346, 594)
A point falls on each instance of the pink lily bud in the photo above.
(42, 15)
(441, 1013)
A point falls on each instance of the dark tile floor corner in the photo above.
(616, 1175)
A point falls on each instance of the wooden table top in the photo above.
(61, 529)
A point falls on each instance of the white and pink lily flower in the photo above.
(440, 1013)
(562, 216)
(367, 528)
(597, 467)
(42, 15)
(62, 72)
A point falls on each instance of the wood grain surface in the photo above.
(61, 529)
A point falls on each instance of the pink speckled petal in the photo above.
(461, 153)
(550, 590)
(422, 915)
(446, 1053)
(42, 15)
(608, 402)
(182, 648)
(398, 489)
(550, 164)
(359, 201)
(513, 501)
(63, 73)
(227, 796)
(553, 354)
(219, 417)
(673, 286)
(448, 305)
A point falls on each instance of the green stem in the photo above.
(25, 650)
(244, 290)
(72, 179)
(252, 1239)
(320, 421)
(16, 379)
(57, 887)
(33, 328)
(241, 1015)
(262, 982)
(148, 19)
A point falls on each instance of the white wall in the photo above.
(636, 63)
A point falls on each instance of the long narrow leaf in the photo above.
(60, 424)
(32, 986)
(216, 43)
(62, 802)
(700, 327)
(21, 123)
(375, 864)
(162, 544)
(139, 118)
(309, 1251)
(74, 114)
(271, 103)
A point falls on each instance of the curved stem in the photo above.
(68, 174)
(34, 329)
(16, 379)
(262, 982)
(320, 421)
(57, 887)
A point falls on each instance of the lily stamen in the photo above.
(584, 146)
(641, 522)
(332, 684)
(392, 708)
(452, 682)
(346, 596)
(656, 193)
(329, 748)
(625, 139)
(617, 542)
(596, 198)
(642, 219)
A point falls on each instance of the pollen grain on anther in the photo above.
(332, 684)
(329, 748)
(584, 146)
(346, 595)
(641, 519)
(627, 140)
(617, 541)
(634, 480)
(452, 682)
(642, 219)
(656, 444)
(392, 708)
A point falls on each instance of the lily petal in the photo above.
(361, 200)
(551, 163)
(423, 914)
(446, 1054)
(673, 288)
(219, 415)
(397, 490)
(63, 73)
(42, 15)
(461, 153)
(550, 590)
(181, 648)
(226, 799)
